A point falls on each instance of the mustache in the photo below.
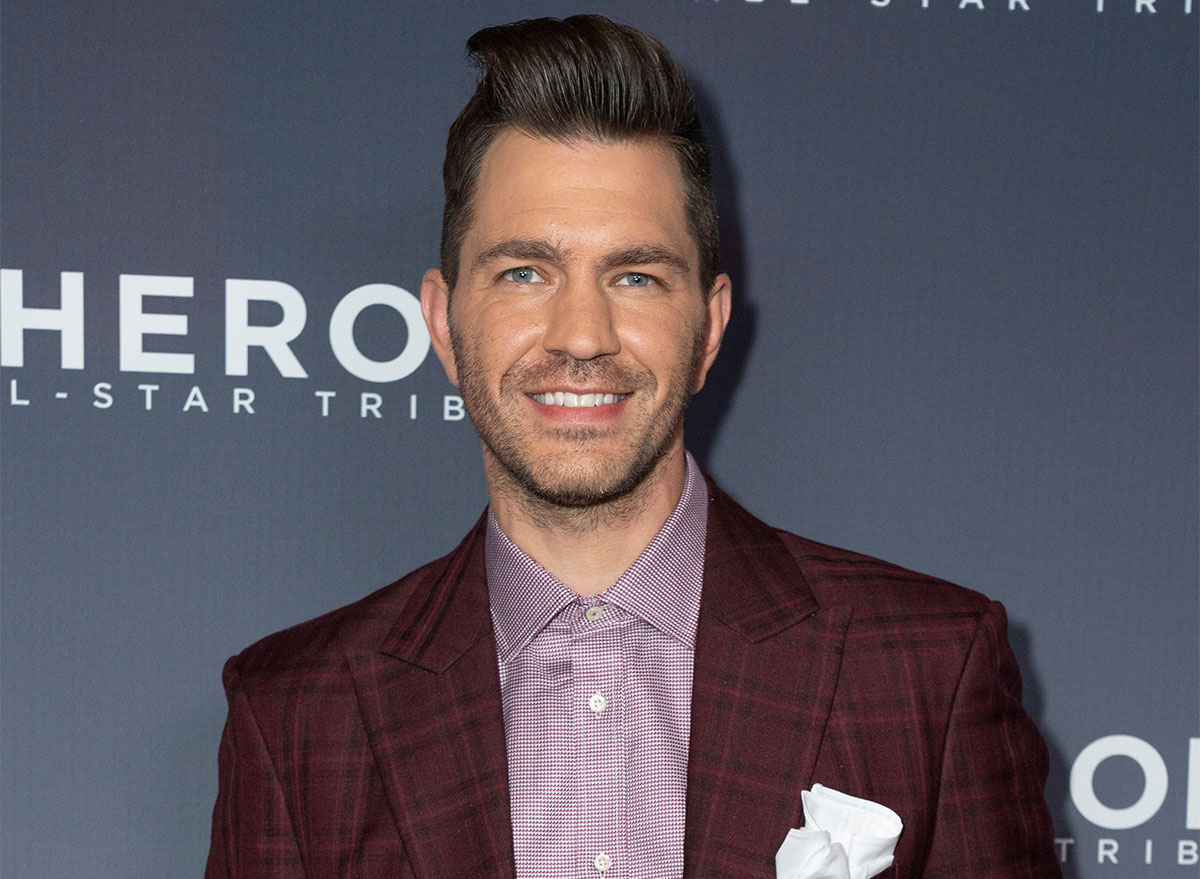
(564, 369)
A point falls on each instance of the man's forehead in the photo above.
(650, 158)
(521, 174)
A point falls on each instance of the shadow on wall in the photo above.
(1058, 795)
(708, 408)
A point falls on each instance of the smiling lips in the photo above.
(572, 400)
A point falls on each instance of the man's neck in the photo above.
(589, 548)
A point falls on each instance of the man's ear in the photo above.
(435, 308)
(720, 301)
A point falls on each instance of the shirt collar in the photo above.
(662, 586)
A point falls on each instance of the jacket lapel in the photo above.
(430, 700)
(767, 663)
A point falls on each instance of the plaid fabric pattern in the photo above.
(597, 695)
(369, 743)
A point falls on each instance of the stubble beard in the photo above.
(573, 486)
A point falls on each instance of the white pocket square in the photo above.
(843, 837)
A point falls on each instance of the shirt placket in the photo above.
(599, 703)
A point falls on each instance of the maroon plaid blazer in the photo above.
(370, 742)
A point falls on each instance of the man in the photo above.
(619, 672)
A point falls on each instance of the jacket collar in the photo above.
(752, 583)
(445, 616)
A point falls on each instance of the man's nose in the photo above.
(580, 322)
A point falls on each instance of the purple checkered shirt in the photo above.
(597, 696)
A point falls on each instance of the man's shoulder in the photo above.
(874, 587)
(362, 625)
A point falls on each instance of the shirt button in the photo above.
(598, 703)
(602, 862)
(594, 613)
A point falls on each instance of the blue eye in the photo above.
(522, 275)
(634, 279)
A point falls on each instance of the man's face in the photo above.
(577, 330)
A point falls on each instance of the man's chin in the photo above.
(578, 481)
(576, 490)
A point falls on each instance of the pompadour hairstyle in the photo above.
(581, 78)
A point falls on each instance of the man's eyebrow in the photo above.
(540, 249)
(646, 254)
(518, 248)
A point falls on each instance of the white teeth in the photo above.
(576, 401)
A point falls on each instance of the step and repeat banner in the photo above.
(963, 238)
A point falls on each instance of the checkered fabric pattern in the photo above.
(597, 694)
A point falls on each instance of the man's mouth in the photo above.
(576, 401)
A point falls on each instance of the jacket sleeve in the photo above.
(253, 836)
(992, 821)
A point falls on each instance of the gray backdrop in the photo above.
(964, 243)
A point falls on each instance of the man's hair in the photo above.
(581, 78)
